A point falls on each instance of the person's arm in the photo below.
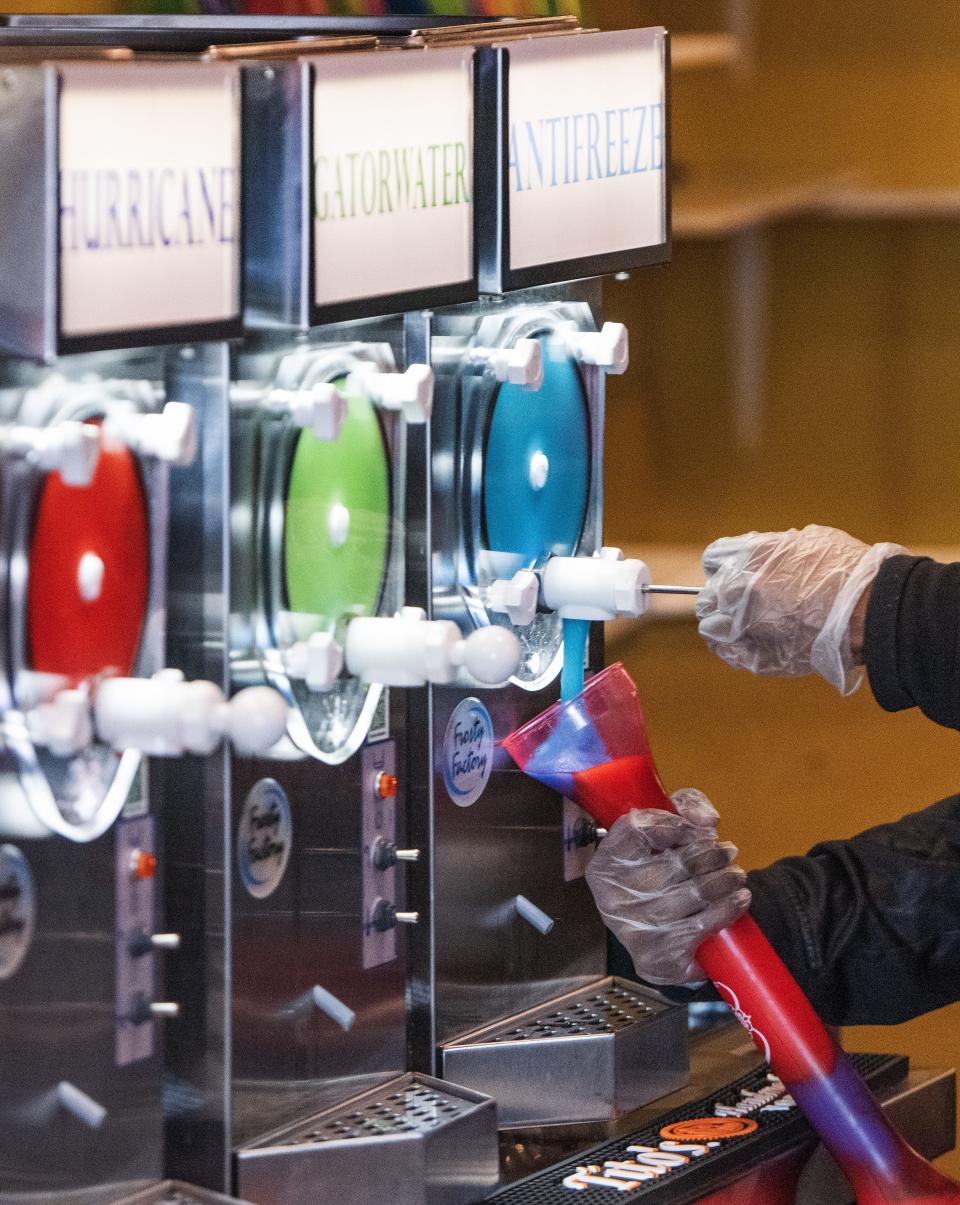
(911, 638)
(870, 927)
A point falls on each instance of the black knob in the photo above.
(584, 833)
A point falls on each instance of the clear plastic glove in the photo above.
(781, 602)
(663, 883)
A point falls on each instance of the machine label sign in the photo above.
(392, 173)
(264, 837)
(467, 752)
(587, 149)
(149, 196)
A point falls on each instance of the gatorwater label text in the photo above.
(359, 184)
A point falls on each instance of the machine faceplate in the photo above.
(69, 633)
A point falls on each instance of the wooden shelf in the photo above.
(892, 203)
(715, 205)
(692, 51)
(718, 204)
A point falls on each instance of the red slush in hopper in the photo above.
(594, 749)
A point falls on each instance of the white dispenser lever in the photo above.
(70, 448)
(607, 348)
(162, 716)
(575, 587)
(410, 392)
(520, 363)
(410, 650)
(170, 435)
(320, 408)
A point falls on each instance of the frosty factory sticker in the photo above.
(467, 752)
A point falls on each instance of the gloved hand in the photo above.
(781, 602)
(663, 883)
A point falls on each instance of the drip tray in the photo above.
(590, 1055)
(172, 1192)
(412, 1141)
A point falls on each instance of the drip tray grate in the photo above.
(607, 1011)
(589, 1055)
(173, 1192)
(414, 1108)
(411, 1141)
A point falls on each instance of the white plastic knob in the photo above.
(599, 587)
(317, 660)
(521, 363)
(165, 716)
(410, 392)
(64, 724)
(321, 409)
(410, 650)
(491, 656)
(70, 448)
(516, 597)
(607, 348)
(170, 436)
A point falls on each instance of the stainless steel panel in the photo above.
(255, 1050)
(276, 219)
(65, 1013)
(475, 959)
(415, 1141)
(28, 203)
(586, 1056)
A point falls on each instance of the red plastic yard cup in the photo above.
(594, 749)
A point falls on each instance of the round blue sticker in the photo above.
(467, 752)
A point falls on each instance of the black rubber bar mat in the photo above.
(693, 1150)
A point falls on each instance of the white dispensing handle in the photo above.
(165, 716)
(600, 587)
(317, 661)
(516, 597)
(170, 436)
(70, 448)
(607, 348)
(520, 363)
(319, 408)
(162, 716)
(410, 650)
(322, 408)
(410, 392)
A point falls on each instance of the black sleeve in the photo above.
(870, 927)
(912, 638)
